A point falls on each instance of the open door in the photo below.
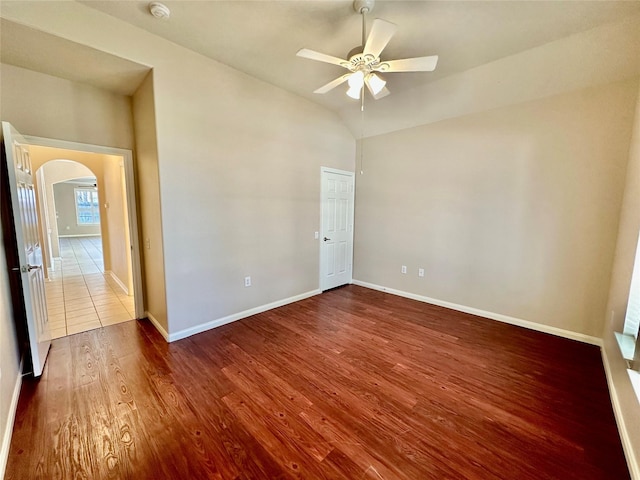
(22, 226)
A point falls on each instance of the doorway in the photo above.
(89, 234)
(629, 339)
(80, 294)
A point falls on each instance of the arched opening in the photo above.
(57, 182)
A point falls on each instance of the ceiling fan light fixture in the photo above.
(356, 82)
(354, 92)
(376, 83)
(356, 79)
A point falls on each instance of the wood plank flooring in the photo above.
(351, 384)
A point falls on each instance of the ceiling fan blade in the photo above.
(320, 57)
(418, 64)
(333, 84)
(380, 34)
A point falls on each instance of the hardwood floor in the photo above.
(351, 384)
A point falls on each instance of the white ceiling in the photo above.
(492, 53)
(261, 37)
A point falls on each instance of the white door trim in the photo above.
(131, 201)
(324, 170)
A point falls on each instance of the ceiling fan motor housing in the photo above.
(359, 61)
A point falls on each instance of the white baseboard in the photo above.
(187, 332)
(491, 315)
(79, 235)
(118, 281)
(632, 460)
(8, 431)
(156, 324)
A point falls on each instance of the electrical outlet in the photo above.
(404, 269)
(247, 281)
(421, 272)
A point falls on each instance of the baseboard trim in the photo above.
(118, 281)
(158, 326)
(239, 316)
(580, 337)
(8, 431)
(79, 235)
(632, 461)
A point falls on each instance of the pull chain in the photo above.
(362, 135)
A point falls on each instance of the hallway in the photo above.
(80, 296)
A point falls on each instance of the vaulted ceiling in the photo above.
(490, 52)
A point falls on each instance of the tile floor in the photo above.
(80, 296)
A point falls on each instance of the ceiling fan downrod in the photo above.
(363, 7)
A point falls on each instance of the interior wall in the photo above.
(512, 211)
(45, 106)
(65, 203)
(118, 225)
(9, 358)
(149, 202)
(628, 231)
(240, 184)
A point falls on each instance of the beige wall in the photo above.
(618, 294)
(9, 354)
(512, 211)
(149, 202)
(65, 203)
(240, 185)
(118, 225)
(45, 106)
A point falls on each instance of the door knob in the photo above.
(325, 239)
(28, 268)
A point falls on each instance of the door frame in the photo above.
(348, 173)
(129, 175)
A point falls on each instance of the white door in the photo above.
(25, 229)
(336, 240)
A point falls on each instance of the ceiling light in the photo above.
(354, 92)
(376, 83)
(356, 82)
(159, 10)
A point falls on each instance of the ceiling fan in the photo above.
(364, 61)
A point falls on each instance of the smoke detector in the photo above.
(159, 10)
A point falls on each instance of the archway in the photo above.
(61, 172)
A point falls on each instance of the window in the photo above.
(87, 206)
